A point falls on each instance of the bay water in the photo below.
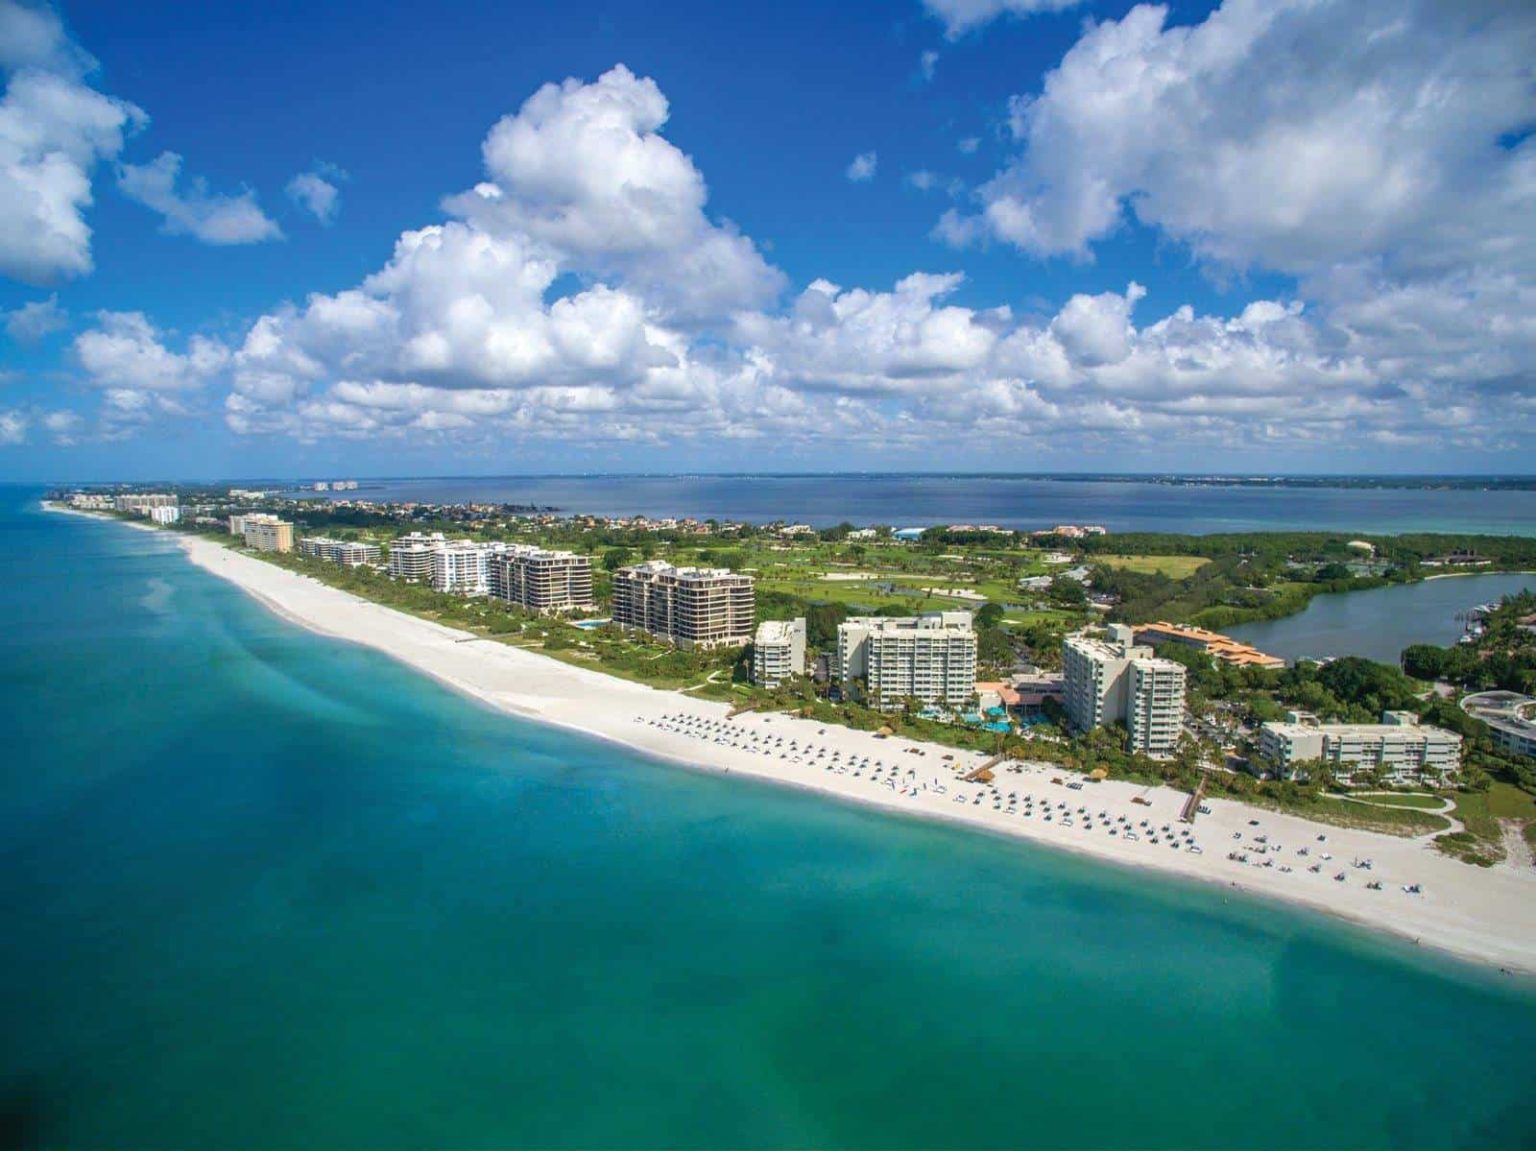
(261, 888)
(1013, 501)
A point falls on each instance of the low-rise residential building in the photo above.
(547, 582)
(691, 607)
(1399, 748)
(929, 658)
(91, 502)
(1213, 643)
(1509, 718)
(778, 651)
(1114, 681)
(347, 553)
(265, 533)
(410, 556)
(165, 516)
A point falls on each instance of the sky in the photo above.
(1260, 236)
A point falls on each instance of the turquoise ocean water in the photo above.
(264, 889)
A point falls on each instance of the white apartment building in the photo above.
(140, 503)
(930, 658)
(347, 553)
(410, 556)
(165, 515)
(1112, 680)
(778, 651)
(547, 582)
(463, 566)
(691, 607)
(1406, 750)
(91, 502)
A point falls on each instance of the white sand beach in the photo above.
(1482, 914)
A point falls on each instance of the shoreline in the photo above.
(1487, 916)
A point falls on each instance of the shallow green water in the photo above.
(265, 889)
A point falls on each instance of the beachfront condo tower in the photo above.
(547, 582)
(265, 533)
(1114, 681)
(691, 607)
(410, 556)
(778, 651)
(930, 658)
(463, 567)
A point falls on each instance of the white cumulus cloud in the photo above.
(54, 131)
(862, 169)
(317, 193)
(195, 211)
(961, 16)
(35, 320)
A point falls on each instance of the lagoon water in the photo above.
(265, 889)
(1012, 501)
(1379, 623)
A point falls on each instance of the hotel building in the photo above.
(930, 658)
(265, 533)
(1400, 746)
(547, 582)
(347, 553)
(691, 607)
(778, 651)
(1113, 680)
(1213, 643)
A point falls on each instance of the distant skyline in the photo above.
(952, 236)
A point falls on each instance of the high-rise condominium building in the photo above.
(547, 582)
(930, 658)
(463, 566)
(165, 515)
(778, 651)
(410, 556)
(1402, 748)
(265, 533)
(348, 553)
(1113, 680)
(139, 503)
(691, 607)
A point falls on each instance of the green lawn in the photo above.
(1344, 813)
(1174, 567)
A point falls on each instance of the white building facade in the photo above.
(929, 658)
(347, 553)
(1114, 681)
(778, 651)
(462, 567)
(1400, 748)
(410, 556)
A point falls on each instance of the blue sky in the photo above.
(938, 235)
